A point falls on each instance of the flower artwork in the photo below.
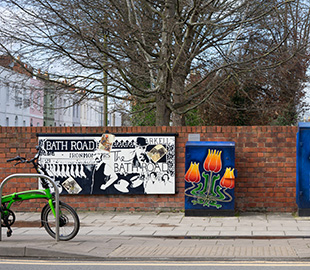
(193, 174)
(213, 162)
(228, 180)
(208, 188)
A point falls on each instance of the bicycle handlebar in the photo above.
(20, 159)
(35, 163)
(13, 159)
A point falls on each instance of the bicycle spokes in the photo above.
(7, 220)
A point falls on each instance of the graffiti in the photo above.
(208, 188)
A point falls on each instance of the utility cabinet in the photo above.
(210, 178)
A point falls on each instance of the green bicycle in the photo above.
(69, 223)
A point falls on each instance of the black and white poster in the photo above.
(110, 164)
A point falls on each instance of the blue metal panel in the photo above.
(209, 177)
(303, 167)
(210, 144)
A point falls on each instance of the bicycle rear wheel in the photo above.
(69, 223)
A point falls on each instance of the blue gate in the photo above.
(303, 169)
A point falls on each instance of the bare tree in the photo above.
(143, 49)
(271, 91)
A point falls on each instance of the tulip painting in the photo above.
(213, 162)
(193, 174)
(228, 180)
(208, 188)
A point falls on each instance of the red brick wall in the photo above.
(265, 161)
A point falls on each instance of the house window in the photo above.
(18, 99)
(7, 95)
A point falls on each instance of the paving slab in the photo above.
(147, 236)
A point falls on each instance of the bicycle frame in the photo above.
(29, 195)
(32, 194)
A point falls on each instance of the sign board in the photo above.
(194, 137)
(110, 164)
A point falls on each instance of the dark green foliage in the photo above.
(143, 116)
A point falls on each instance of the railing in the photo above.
(29, 175)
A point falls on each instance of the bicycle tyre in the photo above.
(10, 217)
(69, 223)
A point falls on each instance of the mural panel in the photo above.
(110, 164)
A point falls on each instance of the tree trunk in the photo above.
(178, 119)
(162, 112)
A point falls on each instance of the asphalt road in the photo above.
(110, 265)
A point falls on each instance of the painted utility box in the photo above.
(303, 169)
(209, 178)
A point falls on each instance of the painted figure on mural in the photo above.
(102, 177)
(106, 181)
(139, 174)
(150, 183)
(140, 158)
(154, 184)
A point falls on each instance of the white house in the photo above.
(305, 117)
(21, 99)
(28, 101)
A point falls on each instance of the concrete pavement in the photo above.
(165, 236)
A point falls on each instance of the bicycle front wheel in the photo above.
(69, 223)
